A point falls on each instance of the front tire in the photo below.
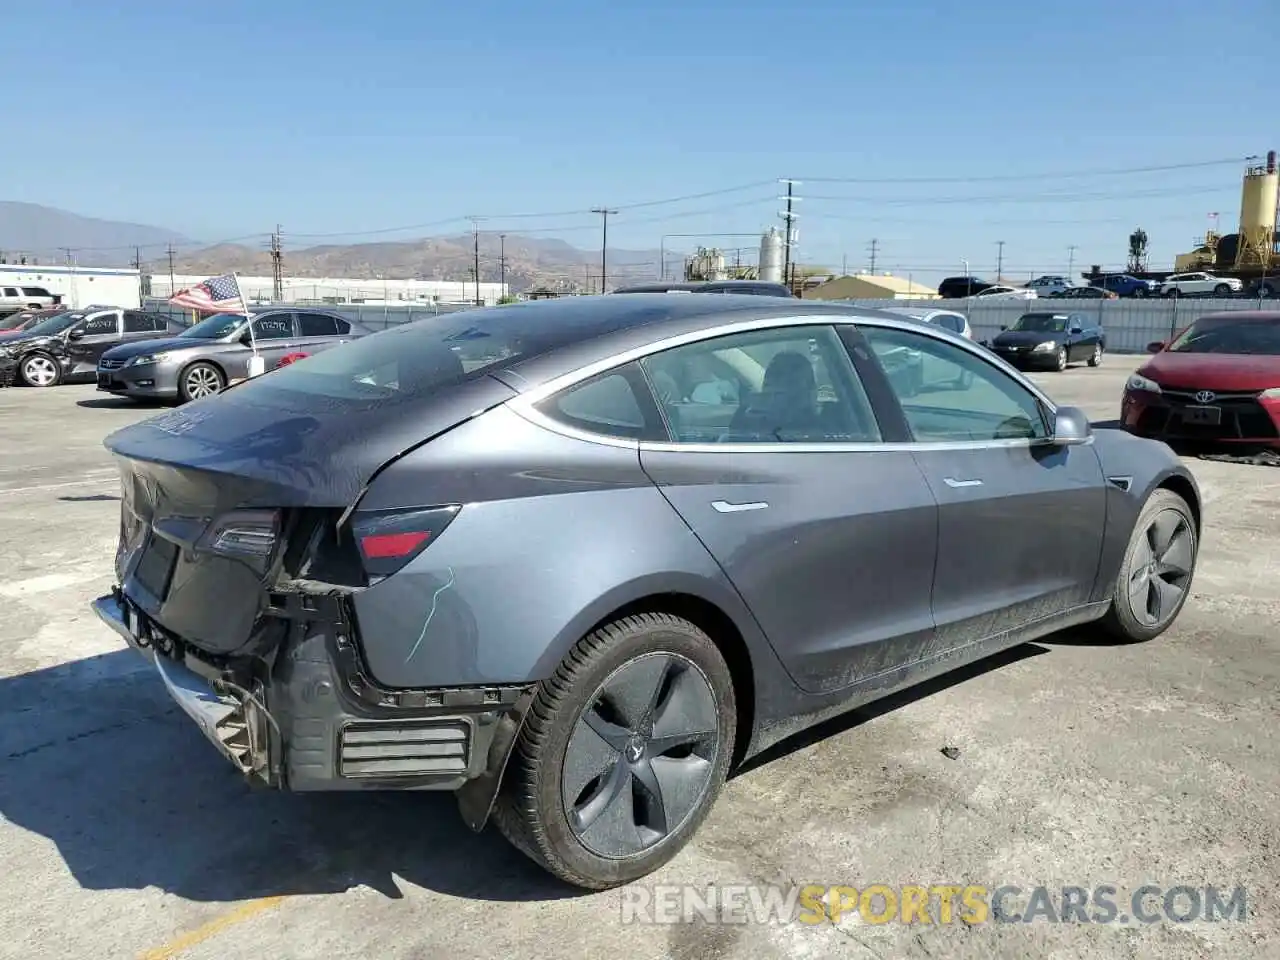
(1060, 363)
(1155, 577)
(1222, 290)
(623, 752)
(200, 380)
(40, 370)
(1095, 358)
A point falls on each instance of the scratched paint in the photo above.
(435, 602)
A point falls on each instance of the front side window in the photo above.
(949, 394)
(781, 385)
(273, 326)
(97, 326)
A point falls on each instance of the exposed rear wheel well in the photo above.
(724, 633)
(1183, 488)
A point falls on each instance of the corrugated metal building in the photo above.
(866, 286)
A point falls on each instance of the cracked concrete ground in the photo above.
(122, 834)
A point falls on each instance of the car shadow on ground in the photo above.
(116, 403)
(98, 760)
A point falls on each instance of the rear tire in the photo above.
(200, 380)
(1155, 577)
(590, 794)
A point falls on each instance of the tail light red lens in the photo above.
(389, 539)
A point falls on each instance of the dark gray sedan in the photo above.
(576, 559)
(208, 356)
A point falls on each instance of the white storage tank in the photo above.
(771, 256)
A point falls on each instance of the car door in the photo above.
(781, 470)
(319, 331)
(89, 339)
(1020, 520)
(273, 337)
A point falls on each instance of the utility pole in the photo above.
(1071, 261)
(137, 265)
(605, 213)
(502, 263)
(999, 260)
(277, 267)
(789, 219)
(475, 242)
(875, 248)
(169, 251)
(66, 255)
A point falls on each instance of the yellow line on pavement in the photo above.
(206, 931)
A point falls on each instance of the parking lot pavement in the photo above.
(1075, 762)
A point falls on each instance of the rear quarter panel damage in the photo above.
(554, 536)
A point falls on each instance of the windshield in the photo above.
(215, 327)
(1040, 323)
(55, 324)
(1230, 336)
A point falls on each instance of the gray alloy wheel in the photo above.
(1062, 358)
(1095, 359)
(1155, 578)
(623, 752)
(200, 380)
(40, 370)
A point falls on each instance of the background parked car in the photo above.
(947, 319)
(215, 352)
(1048, 286)
(954, 288)
(1001, 292)
(761, 288)
(68, 345)
(27, 298)
(1084, 293)
(1199, 284)
(1051, 340)
(1124, 285)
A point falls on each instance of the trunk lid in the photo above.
(206, 486)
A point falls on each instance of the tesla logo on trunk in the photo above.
(1205, 396)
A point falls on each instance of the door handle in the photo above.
(953, 482)
(724, 506)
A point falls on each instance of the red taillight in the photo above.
(389, 539)
(384, 546)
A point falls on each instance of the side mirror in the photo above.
(1071, 427)
(1155, 346)
(1004, 326)
(246, 338)
(1076, 329)
(75, 334)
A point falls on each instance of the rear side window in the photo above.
(317, 325)
(606, 404)
(36, 292)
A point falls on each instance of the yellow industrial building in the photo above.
(870, 286)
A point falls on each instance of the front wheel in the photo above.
(1139, 294)
(623, 753)
(1095, 358)
(1222, 290)
(40, 370)
(200, 380)
(1155, 577)
(1061, 361)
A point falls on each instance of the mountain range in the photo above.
(45, 235)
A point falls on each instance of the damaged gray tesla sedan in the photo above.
(576, 559)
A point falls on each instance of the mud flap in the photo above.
(477, 796)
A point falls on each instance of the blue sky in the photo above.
(352, 119)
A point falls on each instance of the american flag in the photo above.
(214, 294)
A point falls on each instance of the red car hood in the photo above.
(1213, 371)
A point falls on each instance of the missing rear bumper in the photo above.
(311, 720)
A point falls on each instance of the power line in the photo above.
(1059, 175)
(1024, 198)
